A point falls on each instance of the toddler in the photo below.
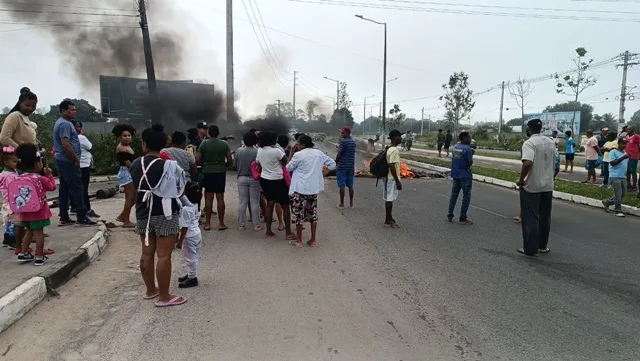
(190, 235)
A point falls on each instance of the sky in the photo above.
(323, 38)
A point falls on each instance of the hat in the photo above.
(394, 133)
(345, 130)
(202, 125)
(534, 123)
(605, 129)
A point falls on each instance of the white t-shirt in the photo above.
(85, 151)
(190, 219)
(542, 152)
(269, 159)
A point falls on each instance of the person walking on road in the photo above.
(392, 184)
(633, 150)
(307, 181)
(592, 151)
(569, 152)
(618, 166)
(461, 162)
(248, 188)
(440, 142)
(607, 147)
(536, 190)
(346, 160)
(448, 138)
(215, 157)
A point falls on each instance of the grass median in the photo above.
(579, 189)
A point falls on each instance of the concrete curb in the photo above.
(23, 298)
(98, 179)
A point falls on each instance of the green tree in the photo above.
(284, 109)
(577, 81)
(344, 101)
(636, 117)
(396, 117)
(342, 117)
(310, 108)
(520, 91)
(85, 111)
(586, 111)
(514, 122)
(458, 98)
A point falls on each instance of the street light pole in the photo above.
(364, 113)
(337, 90)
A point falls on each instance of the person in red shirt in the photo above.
(633, 150)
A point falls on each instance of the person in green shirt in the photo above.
(214, 155)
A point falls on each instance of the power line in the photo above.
(275, 55)
(26, 4)
(64, 13)
(464, 12)
(266, 45)
(71, 25)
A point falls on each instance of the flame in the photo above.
(405, 171)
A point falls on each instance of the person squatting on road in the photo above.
(346, 160)
(307, 181)
(536, 190)
(618, 165)
(190, 235)
(461, 162)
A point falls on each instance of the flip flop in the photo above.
(48, 251)
(223, 228)
(207, 228)
(546, 250)
(339, 207)
(176, 301)
(145, 297)
(296, 244)
(393, 225)
(291, 237)
(313, 244)
(521, 251)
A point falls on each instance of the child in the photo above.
(35, 213)
(190, 235)
(618, 160)
(9, 172)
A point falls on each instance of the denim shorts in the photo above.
(345, 178)
(124, 176)
(590, 164)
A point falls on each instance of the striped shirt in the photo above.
(347, 151)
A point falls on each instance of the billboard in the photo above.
(122, 97)
(560, 121)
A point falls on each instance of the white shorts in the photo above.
(389, 191)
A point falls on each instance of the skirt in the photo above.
(304, 208)
(124, 176)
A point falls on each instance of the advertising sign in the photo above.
(560, 121)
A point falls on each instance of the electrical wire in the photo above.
(62, 6)
(266, 32)
(266, 45)
(64, 13)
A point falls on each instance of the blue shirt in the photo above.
(569, 146)
(557, 159)
(347, 151)
(65, 129)
(619, 170)
(461, 156)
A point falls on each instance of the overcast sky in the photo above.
(319, 40)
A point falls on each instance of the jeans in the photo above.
(463, 184)
(86, 177)
(70, 187)
(535, 210)
(605, 173)
(619, 186)
(248, 191)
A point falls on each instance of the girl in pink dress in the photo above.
(9, 173)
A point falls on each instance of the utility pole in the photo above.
(501, 108)
(422, 121)
(364, 113)
(230, 88)
(429, 123)
(148, 60)
(384, 87)
(623, 91)
(293, 119)
(279, 107)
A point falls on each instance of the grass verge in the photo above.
(579, 189)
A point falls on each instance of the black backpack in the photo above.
(379, 166)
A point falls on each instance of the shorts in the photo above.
(275, 191)
(304, 208)
(36, 224)
(590, 164)
(569, 156)
(447, 145)
(440, 146)
(389, 191)
(632, 166)
(345, 178)
(159, 225)
(124, 176)
(214, 182)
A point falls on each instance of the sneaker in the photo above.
(85, 223)
(620, 214)
(66, 222)
(25, 257)
(92, 214)
(183, 278)
(40, 260)
(189, 282)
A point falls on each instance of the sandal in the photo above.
(297, 244)
(176, 301)
(290, 237)
(223, 228)
(466, 222)
(392, 225)
(241, 228)
(258, 228)
(521, 251)
(48, 251)
(546, 250)
(311, 243)
(145, 297)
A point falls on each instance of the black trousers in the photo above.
(535, 209)
(86, 175)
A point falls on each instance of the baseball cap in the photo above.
(604, 129)
(535, 123)
(394, 133)
(202, 125)
(622, 140)
(345, 130)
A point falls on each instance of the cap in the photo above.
(394, 133)
(535, 123)
(345, 130)
(202, 125)
(604, 129)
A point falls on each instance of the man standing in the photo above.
(591, 154)
(346, 160)
(554, 136)
(392, 183)
(618, 160)
(569, 152)
(601, 141)
(633, 150)
(536, 190)
(67, 159)
(461, 161)
(447, 141)
(440, 142)
(202, 131)
(215, 157)
(409, 140)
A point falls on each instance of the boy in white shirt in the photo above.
(190, 235)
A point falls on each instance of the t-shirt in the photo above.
(243, 159)
(461, 156)
(619, 170)
(269, 160)
(65, 129)
(633, 146)
(190, 219)
(448, 138)
(154, 174)
(609, 145)
(215, 155)
(393, 157)
(556, 141)
(590, 152)
(440, 138)
(569, 146)
(347, 151)
(541, 151)
(86, 158)
(184, 159)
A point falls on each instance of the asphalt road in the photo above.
(430, 290)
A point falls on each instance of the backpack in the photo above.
(23, 193)
(379, 166)
(256, 170)
(192, 149)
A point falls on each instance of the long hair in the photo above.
(25, 94)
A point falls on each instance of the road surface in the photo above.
(430, 290)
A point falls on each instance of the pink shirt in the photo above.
(5, 178)
(48, 184)
(633, 146)
(589, 151)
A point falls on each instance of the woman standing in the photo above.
(176, 151)
(125, 156)
(248, 188)
(17, 128)
(86, 160)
